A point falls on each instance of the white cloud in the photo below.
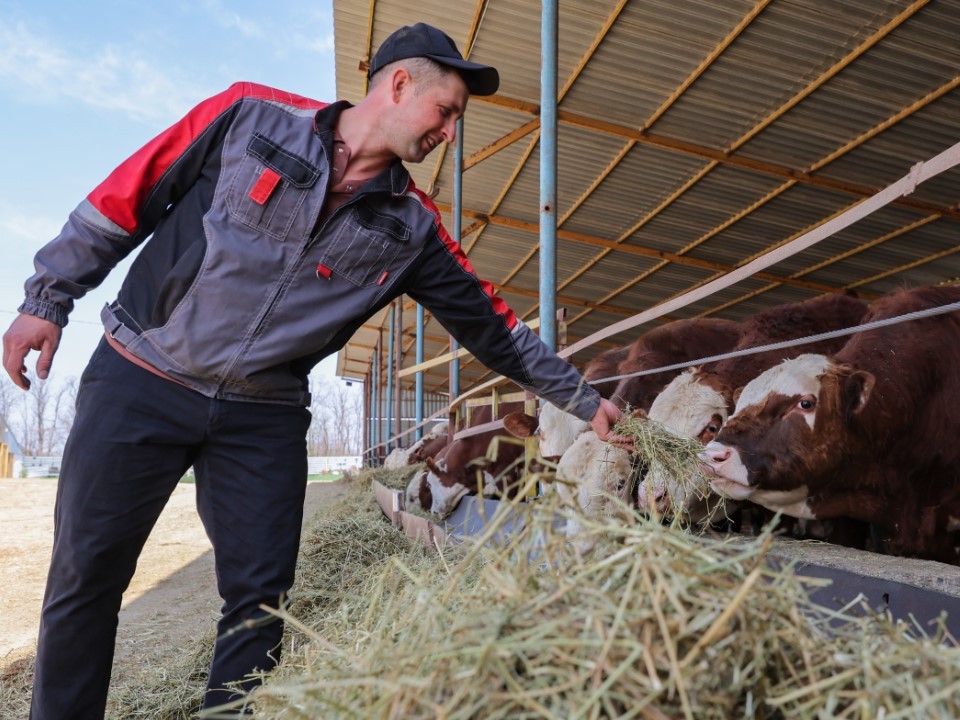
(230, 19)
(322, 44)
(112, 78)
(34, 230)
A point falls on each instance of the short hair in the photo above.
(424, 71)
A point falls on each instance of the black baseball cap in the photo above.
(422, 40)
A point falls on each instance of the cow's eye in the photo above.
(713, 428)
(807, 403)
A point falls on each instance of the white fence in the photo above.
(37, 466)
(334, 463)
(317, 465)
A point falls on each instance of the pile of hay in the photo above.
(656, 623)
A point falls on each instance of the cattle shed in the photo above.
(692, 138)
(697, 146)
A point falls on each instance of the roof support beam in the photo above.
(745, 163)
(635, 249)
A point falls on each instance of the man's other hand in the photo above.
(27, 333)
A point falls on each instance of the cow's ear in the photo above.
(857, 388)
(520, 424)
(736, 395)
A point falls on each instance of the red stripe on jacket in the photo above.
(499, 305)
(121, 196)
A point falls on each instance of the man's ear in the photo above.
(400, 82)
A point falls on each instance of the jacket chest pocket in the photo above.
(269, 190)
(364, 246)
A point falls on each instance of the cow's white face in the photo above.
(597, 475)
(687, 408)
(445, 498)
(797, 376)
(558, 430)
(412, 494)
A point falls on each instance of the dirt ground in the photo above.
(171, 600)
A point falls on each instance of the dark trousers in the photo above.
(134, 436)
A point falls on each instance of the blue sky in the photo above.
(84, 84)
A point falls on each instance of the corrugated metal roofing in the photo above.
(710, 131)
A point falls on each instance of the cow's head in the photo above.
(688, 407)
(596, 477)
(789, 434)
(445, 488)
(555, 429)
(418, 492)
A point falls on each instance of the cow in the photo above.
(463, 468)
(604, 471)
(868, 433)
(696, 403)
(396, 459)
(430, 444)
(670, 344)
(557, 429)
(593, 476)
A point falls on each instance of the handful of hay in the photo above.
(655, 624)
(673, 458)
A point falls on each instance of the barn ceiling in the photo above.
(694, 136)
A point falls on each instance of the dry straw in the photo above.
(676, 457)
(656, 623)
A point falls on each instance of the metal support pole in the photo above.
(388, 433)
(420, 331)
(367, 406)
(548, 172)
(398, 366)
(457, 230)
(377, 383)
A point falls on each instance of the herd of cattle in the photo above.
(853, 439)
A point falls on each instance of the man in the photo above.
(277, 225)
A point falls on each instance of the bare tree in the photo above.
(337, 418)
(41, 417)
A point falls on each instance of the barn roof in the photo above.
(694, 136)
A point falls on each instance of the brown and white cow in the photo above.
(463, 467)
(869, 433)
(676, 342)
(696, 403)
(429, 445)
(604, 471)
(557, 430)
(670, 344)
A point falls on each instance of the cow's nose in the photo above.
(715, 453)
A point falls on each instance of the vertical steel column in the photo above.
(388, 433)
(457, 231)
(419, 418)
(377, 382)
(397, 366)
(367, 407)
(548, 172)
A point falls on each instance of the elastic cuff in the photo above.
(44, 309)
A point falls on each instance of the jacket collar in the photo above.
(394, 179)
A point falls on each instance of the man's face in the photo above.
(427, 116)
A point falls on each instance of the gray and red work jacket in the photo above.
(241, 288)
